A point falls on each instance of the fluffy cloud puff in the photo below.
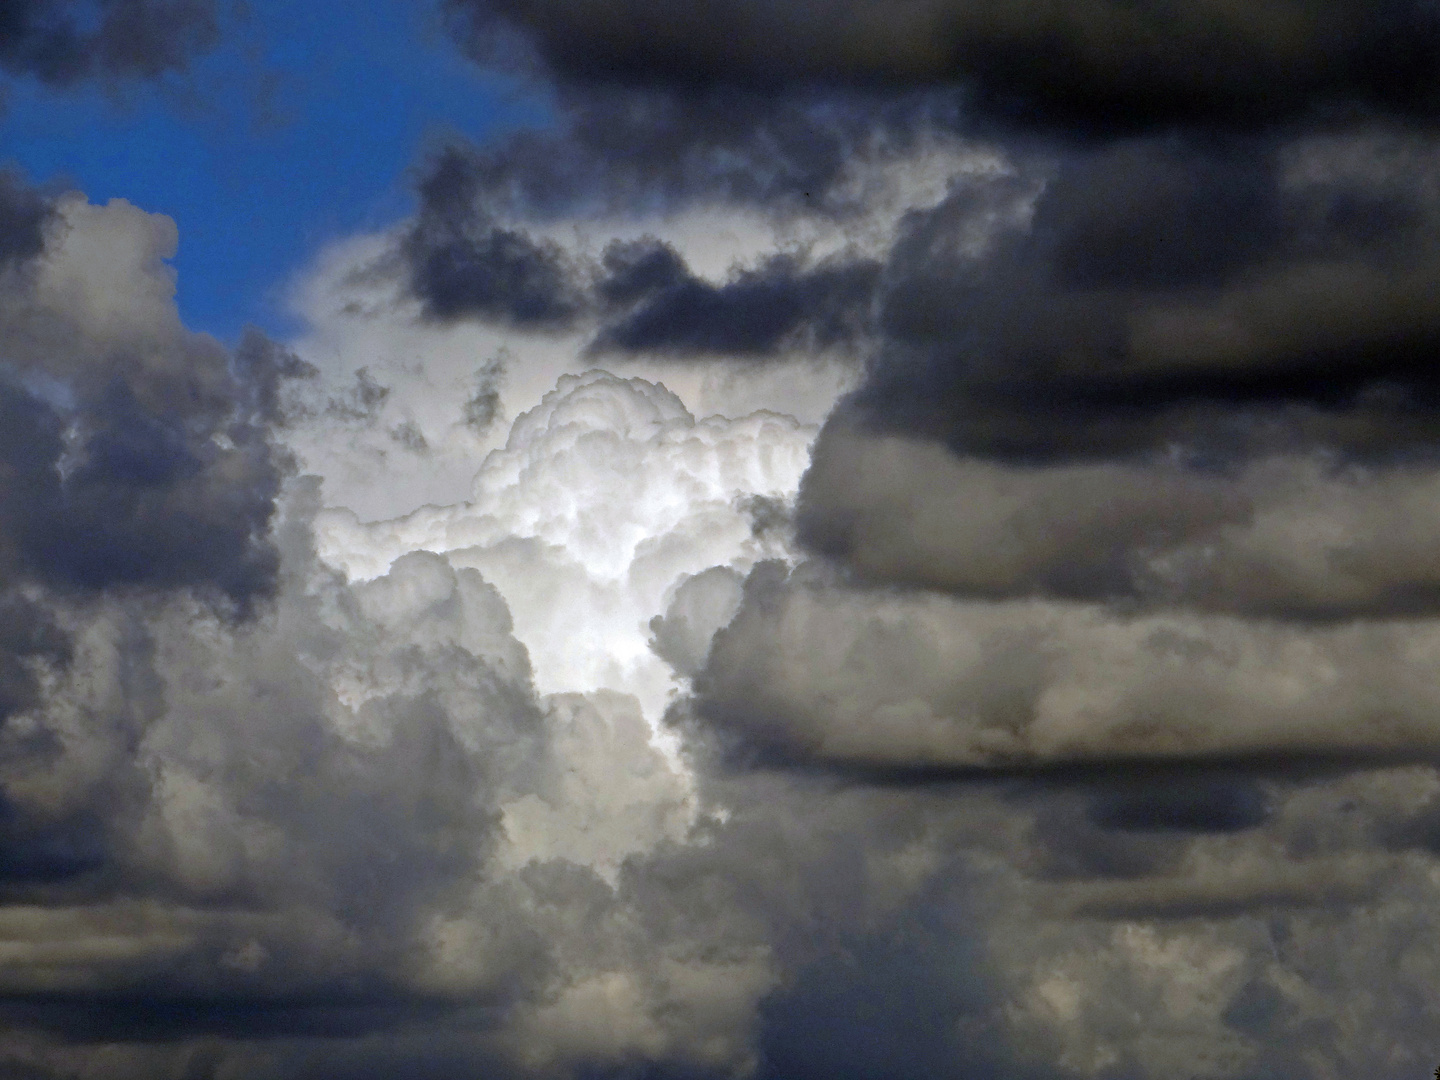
(137, 452)
(404, 835)
(603, 498)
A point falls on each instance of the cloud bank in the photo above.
(981, 620)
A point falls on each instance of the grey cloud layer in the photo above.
(1159, 293)
(810, 672)
(1287, 534)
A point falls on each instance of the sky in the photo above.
(296, 127)
(817, 540)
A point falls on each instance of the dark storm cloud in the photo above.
(1159, 291)
(1136, 826)
(264, 367)
(491, 273)
(146, 502)
(24, 216)
(35, 854)
(462, 264)
(1139, 378)
(1066, 844)
(27, 633)
(469, 252)
(1098, 64)
(1410, 828)
(1164, 284)
(895, 1002)
(136, 499)
(672, 312)
(343, 1011)
(1209, 804)
(135, 453)
(63, 42)
(1220, 899)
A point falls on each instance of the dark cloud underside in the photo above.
(459, 264)
(1098, 64)
(1162, 291)
(144, 504)
(673, 312)
(1186, 352)
(24, 215)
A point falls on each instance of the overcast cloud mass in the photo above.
(882, 541)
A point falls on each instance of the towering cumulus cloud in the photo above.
(983, 620)
(262, 819)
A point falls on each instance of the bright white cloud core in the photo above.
(604, 499)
